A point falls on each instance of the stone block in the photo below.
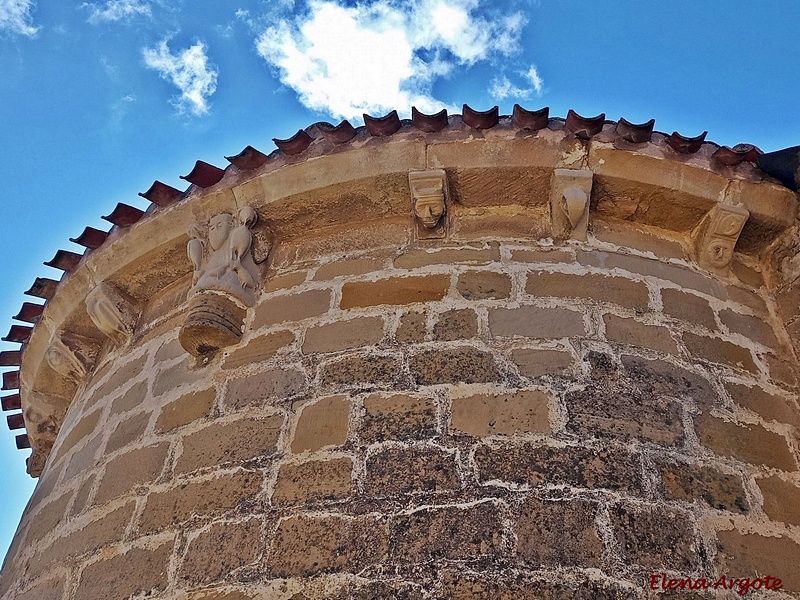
(660, 378)
(285, 281)
(749, 443)
(48, 518)
(690, 483)
(626, 235)
(456, 324)
(131, 399)
(752, 555)
(233, 442)
(132, 468)
(46, 589)
(634, 333)
(609, 468)
(186, 409)
(541, 256)
(536, 322)
(291, 307)
(364, 371)
(274, 384)
(463, 585)
(81, 501)
(411, 328)
(394, 291)
(447, 256)
(129, 430)
(781, 499)
(397, 417)
(343, 335)
(592, 286)
(175, 376)
(558, 533)
(208, 497)
(720, 351)
(688, 307)
(753, 328)
(453, 365)
(84, 459)
(524, 411)
(258, 349)
(533, 362)
(169, 350)
(215, 553)
(750, 299)
(449, 533)
(353, 266)
(120, 376)
(484, 285)
(324, 423)
(81, 429)
(313, 480)
(782, 371)
(404, 470)
(656, 537)
(769, 406)
(307, 545)
(137, 571)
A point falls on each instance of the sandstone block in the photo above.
(259, 349)
(82, 496)
(129, 430)
(769, 406)
(461, 585)
(291, 307)
(198, 498)
(688, 483)
(394, 291)
(48, 518)
(285, 281)
(533, 362)
(484, 285)
(632, 332)
(84, 459)
(457, 324)
(658, 377)
(781, 499)
(625, 235)
(186, 409)
(175, 376)
(782, 371)
(753, 328)
(324, 423)
(313, 480)
(411, 328)
(541, 256)
(749, 443)
(422, 258)
(453, 365)
(131, 399)
(47, 589)
(600, 288)
(716, 350)
(370, 371)
(132, 468)
(343, 335)
(752, 555)
(85, 425)
(223, 443)
(219, 550)
(273, 384)
(120, 376)
(394, 471)
(558, 533)
(524, 411)
(397, 417)
(169, 350)
(536, 322)
(139, 570)
(688, 307)
(354, 266)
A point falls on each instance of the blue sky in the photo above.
(99, 99)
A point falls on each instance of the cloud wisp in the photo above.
(189, 70)
(117, 10)
(345, 60)
(502, 88)
(16, 18)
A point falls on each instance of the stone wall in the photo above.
(475, 420)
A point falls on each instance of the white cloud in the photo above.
(189, 71)
(15, 17)
(536, 81)
(117, 10)
(375, 57)
(502, 88)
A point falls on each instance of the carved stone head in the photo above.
(428, 192)
(219, 228)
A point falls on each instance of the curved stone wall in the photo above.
(484, 419)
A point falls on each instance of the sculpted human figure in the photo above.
(428, 193)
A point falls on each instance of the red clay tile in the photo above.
(90, 238)
(11, 380)
(481, 119)
(295, 144)
(204, 175)
(43, 288)
(248, 159)
(10, 358)
(29, 313)
(161, 194)
(124, 215)
(64, 260)
(382, 126)
(18, 333)
(429, 123)
(23, 442)
(584, 127)
(532, 120)
(337, 134)
(686, 145)
(15, 421)
(636, 134)
(10, 402)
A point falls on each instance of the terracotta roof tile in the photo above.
(23, 442)
(18, 333)
(295, 144)
(10, 358)
(248, 159)
(584, 127)
(11, 380)
(429, 123)
(481, 119)
(42, 288)
(29, 313)
(64, 260)
(532, 120)
(737, 154)
(686, 145)
(635, 134)
(10, 402)
(382, 126)
(204, 175)
(15, 421)
(124, 215)
(161, 194)
(90, 238)
(337, 134)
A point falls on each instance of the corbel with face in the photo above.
(717, 234)
(429, 197)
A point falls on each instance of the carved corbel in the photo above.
(717, 234)
(224, 282)
(43, 418)
(64, 361)
(429, 197)
(113, 315)
(570, 191)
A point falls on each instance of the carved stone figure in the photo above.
(717, 236)
(64, 361)
(428, 190)
(224, 282)
(111, 313)
(570, 190)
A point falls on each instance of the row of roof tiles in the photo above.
(205, 175)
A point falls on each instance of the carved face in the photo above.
(719, 253)
(429, 209)
(219, 228)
